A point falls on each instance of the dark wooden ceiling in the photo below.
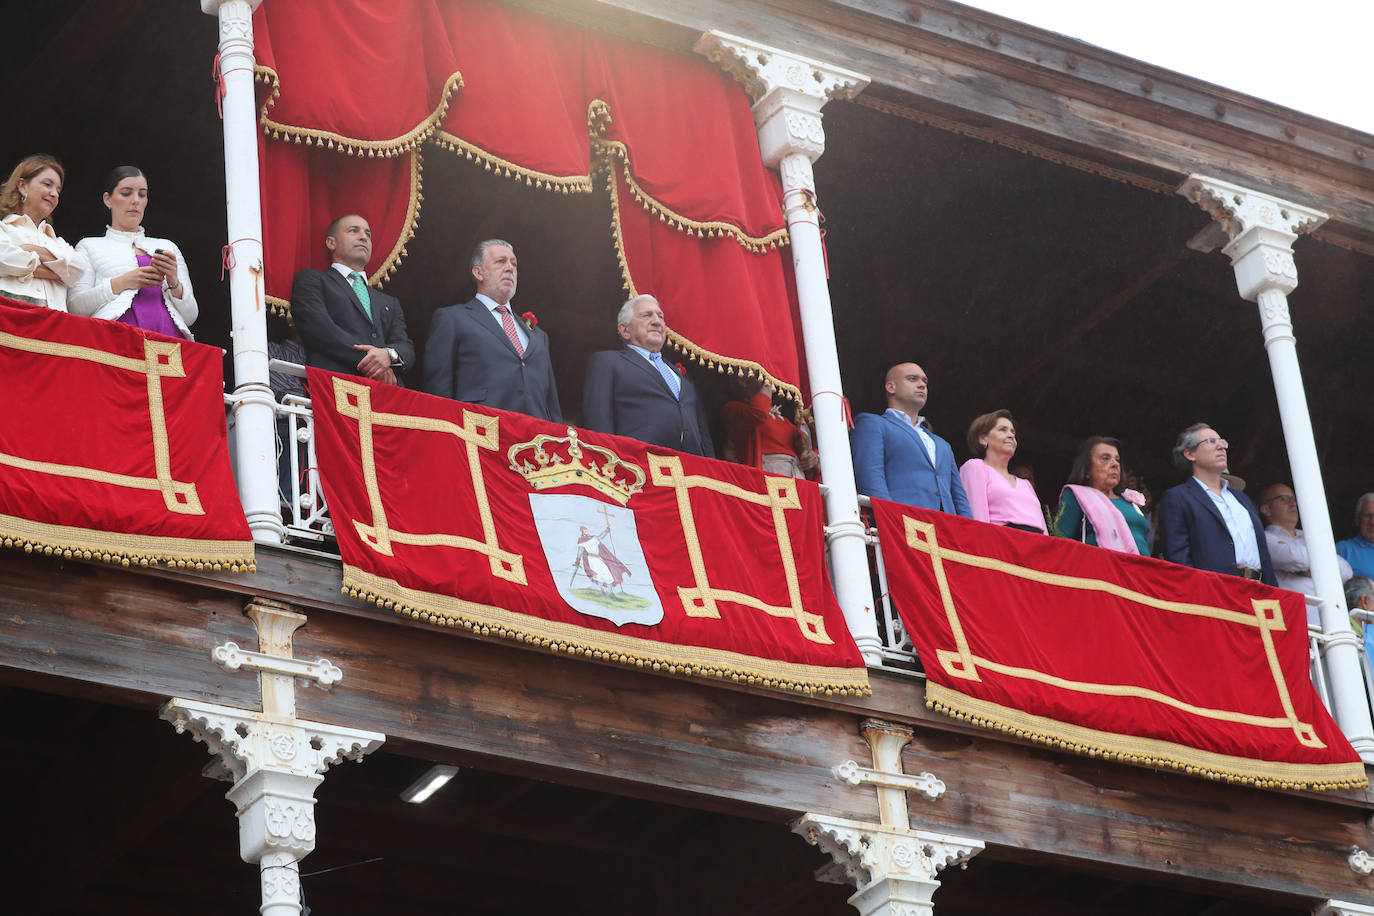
(107, 812)
(1016, 282)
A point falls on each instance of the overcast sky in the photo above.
(1312, 55)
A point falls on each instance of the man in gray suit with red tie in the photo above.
(345, 325)
(482, 353)
(633, 392)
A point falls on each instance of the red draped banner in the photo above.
(579, 542)
(353, 89)
(1110, 655)
(113, 446)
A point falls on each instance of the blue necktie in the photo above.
(669, 376)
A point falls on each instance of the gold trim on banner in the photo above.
(161, 359)
(488, 620)
(701, 600)
(570, 184)
(122, 549)
(417, 197)
(1265, 616)
(353, 146)
(725, 365)
(1143, 751)
(354, 400)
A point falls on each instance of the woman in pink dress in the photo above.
(995, 494)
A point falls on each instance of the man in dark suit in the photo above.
(1204, 522)
(897, 458)
(633, 392)
(345, 325)
(480, 352)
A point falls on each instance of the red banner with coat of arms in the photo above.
(463, 516)
(113, 444)
(1123, 657)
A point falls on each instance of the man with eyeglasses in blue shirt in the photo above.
(1205, 523)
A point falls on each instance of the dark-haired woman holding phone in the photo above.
(133, 277)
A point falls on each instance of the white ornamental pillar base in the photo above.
(1262, 230)
(255, 430)
(789, 92)
(275, 760)
(892, 864)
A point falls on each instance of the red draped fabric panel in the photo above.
(351, 89)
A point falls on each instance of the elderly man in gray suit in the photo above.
(482, 353)
(633, 392)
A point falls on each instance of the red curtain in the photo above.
(352, 86)
(703, 568)
(113, 444)
(1124, 657)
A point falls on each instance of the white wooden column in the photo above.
(1261, 230)
(789, 92)
(275, 760)
(892, 865)
(255, 442)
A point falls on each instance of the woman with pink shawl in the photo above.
(1092, 510)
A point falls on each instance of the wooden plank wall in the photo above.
(140, 637)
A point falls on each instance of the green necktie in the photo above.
(360, 287)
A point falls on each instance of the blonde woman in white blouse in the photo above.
(133, 277)
(35, 265)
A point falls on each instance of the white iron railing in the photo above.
(303, 509)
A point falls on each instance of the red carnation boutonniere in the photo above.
(681, 369)
(531, 322)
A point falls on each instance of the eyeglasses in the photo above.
(1283, 497)
(1213, 440)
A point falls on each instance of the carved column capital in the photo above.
(892, 868)
(1260, 228)
(788, 90)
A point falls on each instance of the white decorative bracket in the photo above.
(1260, 229)
(892, 868)
(275, 760)
(1343, 908)
(1361, 862)
(231, 658)
(927, 784)
(788, 90)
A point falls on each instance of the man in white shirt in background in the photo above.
(1278, 506)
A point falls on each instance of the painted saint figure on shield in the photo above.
(597, 562)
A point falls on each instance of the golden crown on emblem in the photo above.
(549, 462)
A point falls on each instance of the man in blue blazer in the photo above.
(1204, 522)
(897, 458)
(344, 324)
(482, 353)
(633, 392)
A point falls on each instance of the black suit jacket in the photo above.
(470, 358)
(1192, 532)
(331, 320)
(626, 396)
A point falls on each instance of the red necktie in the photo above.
(508, 323)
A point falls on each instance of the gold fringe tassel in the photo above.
(584, 644)
(1143, 751)
(234, 559)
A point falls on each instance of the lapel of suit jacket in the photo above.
(1206, 502)
(483, 317)
(910, 430)
(346, 289)
(645, 366)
